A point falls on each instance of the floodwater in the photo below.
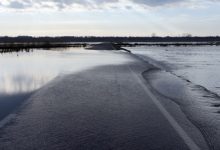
(22, 73)
(190, 77)
(199, 64)
(27, 71)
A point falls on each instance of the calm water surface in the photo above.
(21, 73)
(28, 71)
(199, 64)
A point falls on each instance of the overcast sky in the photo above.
(109, 17)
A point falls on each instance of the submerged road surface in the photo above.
(102, 108)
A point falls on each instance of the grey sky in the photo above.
(18, 4)
(109, 17)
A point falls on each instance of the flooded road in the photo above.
(105, 105)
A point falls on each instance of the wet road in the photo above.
(102, 108)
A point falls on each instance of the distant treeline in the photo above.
(66, 39)
(27, 46)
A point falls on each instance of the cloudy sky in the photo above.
(109, 17)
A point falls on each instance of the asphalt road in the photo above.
(104, 108)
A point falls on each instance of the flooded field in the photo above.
(199, 64)
(188, 76)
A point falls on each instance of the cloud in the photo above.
(91, 4)
(16, 5)
(53, 4)
(154, 3)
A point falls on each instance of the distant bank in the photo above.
(86, 39)
(11, 44)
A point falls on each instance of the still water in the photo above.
(22, 73)
(199, 64)
(27, 71)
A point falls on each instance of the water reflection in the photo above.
(12, 50)
(22, 82)
(24, 71)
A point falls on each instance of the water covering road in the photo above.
(106, 106)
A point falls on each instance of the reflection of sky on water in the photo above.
(200, 64)
(25, 72)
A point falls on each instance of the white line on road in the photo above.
(186, 138)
